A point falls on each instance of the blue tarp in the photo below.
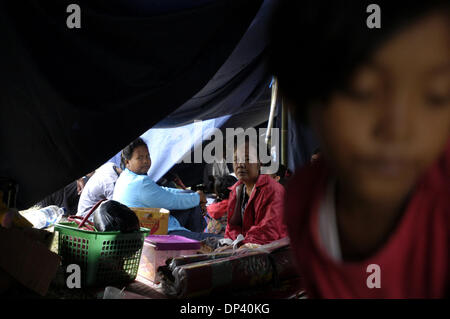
(169, 146)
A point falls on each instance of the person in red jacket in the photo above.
(217, 211)
(371, 217)
(256, 202)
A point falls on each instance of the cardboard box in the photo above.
(157, 249)
(25, 258)
(155, 219)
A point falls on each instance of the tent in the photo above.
(72, 98)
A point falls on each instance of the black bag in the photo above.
(114, 216)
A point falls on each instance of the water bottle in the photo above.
(46, 216)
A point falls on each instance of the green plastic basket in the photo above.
(104, 257)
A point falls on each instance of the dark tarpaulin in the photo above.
(240, 86)
(301, 141)
(72, 98)
(302, 144)
(146, 7)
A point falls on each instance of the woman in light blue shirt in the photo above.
(134, 188)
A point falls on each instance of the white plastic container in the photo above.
(45, 217)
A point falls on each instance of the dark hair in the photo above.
(260, 144)
(317, 45)
(281, 171)
(127, 152)
(221, 184)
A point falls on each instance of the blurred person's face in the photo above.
(245, 164)
(140, 161)
(394, 121)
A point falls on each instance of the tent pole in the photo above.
(284, 133)
(273, 104)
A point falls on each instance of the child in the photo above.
(282, 175)
(217, 211)
(370, 218)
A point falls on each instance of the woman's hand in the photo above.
(223, 248)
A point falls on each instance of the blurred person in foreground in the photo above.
(370, 218)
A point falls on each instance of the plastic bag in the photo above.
(114, 216)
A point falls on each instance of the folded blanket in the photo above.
(200, 275)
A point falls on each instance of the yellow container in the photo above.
(155, 219)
